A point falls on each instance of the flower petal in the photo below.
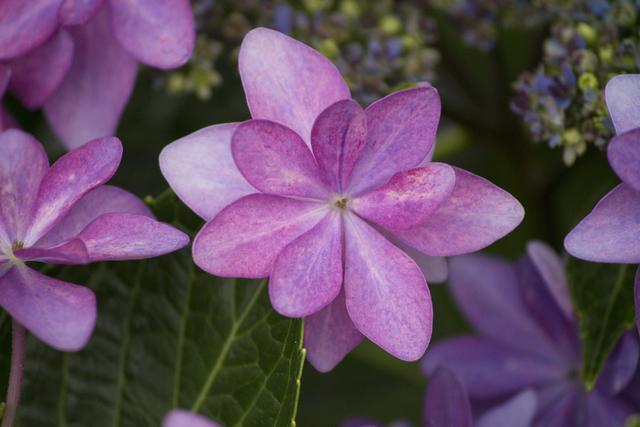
(337, 138)
(401, 129)
(23, 164)
(61, 314)
(90, 99)
(307, 275)
(611, 232)
(286, 81)
(71, 252)
(621, 365)
(386, 294)
(434, 268)
(329, 335)
(447, 403)
(622, 94)
(38, 74)
(275, 160)
(25, 25)
(70, 178)
(78, 12)
(245, 238)
(487, 368)
(637, 299)
(5, 78)
(475, 215)
(409, 198)
(551, 267)
(202, 172)
(600, 410)
(6, 121)
(182, 418)
(99, 201)
(624, 155)
(160, 33)
(519, 411)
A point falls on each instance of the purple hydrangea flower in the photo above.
(182, 418)
(610, 233)
(63, 214)
(527, 338)
(63, 55)
(323, 197)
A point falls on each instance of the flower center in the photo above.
(17, 245)
(341, 203)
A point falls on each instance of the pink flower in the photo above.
(323, 196)
(78, 59)
(182, 418)
(63, 214)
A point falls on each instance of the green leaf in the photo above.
(603, 299)
(169, 335)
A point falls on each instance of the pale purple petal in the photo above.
(552, 269)
(37, 74)
(624, 156)
(61, 314)
(518, 411)
(90, 100)
(287, 81)
(386, 294)
(23, 164)
(475, 215)
(434, 268)
(182, 418)
(202, 172)
(447, 403)
(562, 411)
(401, 130)
(409, 198)
(611, 232)
(600, 410)
(99, 201)
(69, 179)
(622, 95)
(338, 137)
(71, 252)
(621, 365)
(275, 160)
(245, 238)
(329, 335)
(489, 369)
(307, 274)
(78, 12)
(24, 25)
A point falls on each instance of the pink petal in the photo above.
(409, 198)
(38, 74)
(475, 215)
(202, 172)
(434, 268)
(519, 411)
(99, 201)
(447, 403)
(329, 335)
(338, 137)
(275, 160)
(71, 252)
(61, 314)
(401, 129)
(78, 12)
(25, 25)
(624, 156)
(622, 94)
(159, 33)
(23, 164)
(286, 81)
(386, 294)
(5, 77)
(552, 269)
(245, 238)
(6, 121)
(182, 418)
(90, 100)
(611, 232)
(69, 179)
(307, 275)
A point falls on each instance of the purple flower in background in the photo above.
(182, 418)
(527, 338)
(63, 214)
(330, 201)
(78, 58)
(611, 232)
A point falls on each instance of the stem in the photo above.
(15, 376)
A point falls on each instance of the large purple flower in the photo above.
(63, 214)
(323, 197)
(527, 338)
(78, 58)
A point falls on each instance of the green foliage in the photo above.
(603, 300)
(169, 335)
